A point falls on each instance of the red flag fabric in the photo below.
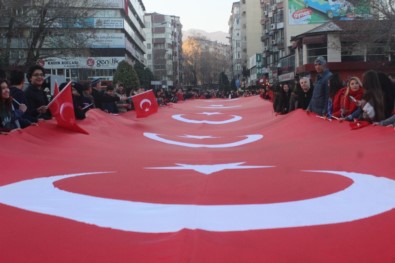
(62, 109)
(201, 181)
(55, 89)
(145, 104)
(358, 124)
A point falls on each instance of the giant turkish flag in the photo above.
(200, 181)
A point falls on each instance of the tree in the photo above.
(44, 28)
(224, 84)
(191, 52)
(144, 74)
(372, 35)
(204, 60)
(126, 74)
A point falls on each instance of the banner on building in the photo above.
(320, 11)
(81, 62)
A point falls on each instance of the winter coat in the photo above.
(344, 106)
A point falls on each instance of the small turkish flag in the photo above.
(62, 109)
(145, 104)
(358, 124)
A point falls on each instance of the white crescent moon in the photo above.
(180, 118)
(63, 107)
(249, 139)
(145, 101)
(367, 196)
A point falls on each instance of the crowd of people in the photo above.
(22, 106)
(371, 100)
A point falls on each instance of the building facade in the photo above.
(279, 23)
(235, 42)
(164, 48)
(285, 21)
(250, 17)
(347, 46)
(112, 31)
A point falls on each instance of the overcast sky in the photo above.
(208, 15)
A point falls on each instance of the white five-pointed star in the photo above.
(209, 168)
(199, 137)
(210, 113)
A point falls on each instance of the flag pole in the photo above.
(140, 93)
(17, 102)
(87, 106)
(57, 95)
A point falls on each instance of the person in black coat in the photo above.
(281, 102)
(388, 88)
(36, 98)
(302, 94)
(17, 80)
(99, 95)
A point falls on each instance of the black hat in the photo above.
(78, 87)
(95, 81)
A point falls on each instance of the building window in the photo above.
(159, 46)
(315, 50)
(149, 46)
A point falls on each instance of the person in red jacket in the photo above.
(345, 100)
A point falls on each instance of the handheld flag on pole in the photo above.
(145, 104)
(62, 109)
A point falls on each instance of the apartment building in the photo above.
(251, 31)
(235, 42)
(284, 23)
(281, 20)
(164, 48)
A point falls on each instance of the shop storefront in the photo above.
(82, 68)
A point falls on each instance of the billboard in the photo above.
(106, 40)
(321, 11)
(81, 62)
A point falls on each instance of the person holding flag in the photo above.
(36, 98)
(62, 109)
(17, 80)
(78, 102)
(101, 98)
